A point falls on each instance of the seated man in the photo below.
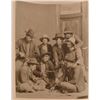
(72, 61)
(47, 70)
(28, 78)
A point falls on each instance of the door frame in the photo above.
(71, 17)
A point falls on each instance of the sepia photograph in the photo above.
(50, 49)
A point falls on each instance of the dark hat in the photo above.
(44, 37)
(58, 35)
(47, 53)
(30, 33)
(32, 61)
(68, 32)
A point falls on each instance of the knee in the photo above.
(78, 67)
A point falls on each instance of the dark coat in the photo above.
(58, 53)
(49, 71)
(49, 49)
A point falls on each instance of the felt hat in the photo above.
(68, 32)
(58, 35)
(44, 37)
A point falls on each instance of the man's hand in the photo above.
(57, 81)
(21, 54)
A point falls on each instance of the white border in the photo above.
(5, 49)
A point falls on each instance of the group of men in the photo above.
(45, 67)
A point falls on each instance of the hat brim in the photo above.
(55, 38)
(68, 33)
(27, 34)
(41, 39)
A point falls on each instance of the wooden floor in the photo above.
(54, 95)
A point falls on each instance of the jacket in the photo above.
(21, 47)
(42, 51)
(58, 53)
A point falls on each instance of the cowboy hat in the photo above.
(58, 35)
(44, 37)
(68, 32)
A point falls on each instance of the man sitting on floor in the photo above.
(29, 80)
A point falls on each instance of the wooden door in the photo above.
(71, 23)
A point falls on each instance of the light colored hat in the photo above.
(58, 35)
(68, 32)
(44, 37)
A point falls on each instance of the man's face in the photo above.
(45, 41)
(28, 39)
(59, 41)
(46, 58)
(68, 36)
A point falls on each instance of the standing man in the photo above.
(72, 61)
(69, 35)
(25, 49)
(58, 53)
(45, 47)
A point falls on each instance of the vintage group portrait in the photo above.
(50, 50)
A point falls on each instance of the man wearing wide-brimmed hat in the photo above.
(75, 81)
(45, 46)
(69, 35)
(29, 80)
(25, 49)
(57, 49)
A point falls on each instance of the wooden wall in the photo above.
(41, 18)
(45, 19)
